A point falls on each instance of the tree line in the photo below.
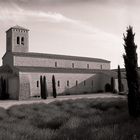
(43, 87)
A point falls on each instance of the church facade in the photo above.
(73, 75)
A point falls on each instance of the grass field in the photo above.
(82, 119)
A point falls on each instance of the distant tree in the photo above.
(41, 86)
(45, 93)
(1, 85)
(119, 79)
(112, 85)
(54, 87)
(131, 66)
(3, 89)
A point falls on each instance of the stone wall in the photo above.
(13, 87)
(8, 59)
(86, 83)
(24, 86)
(46, 62)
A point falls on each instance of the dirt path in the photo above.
(8, 103)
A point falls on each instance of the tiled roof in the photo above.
(55, 56)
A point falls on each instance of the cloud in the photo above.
(15, 13)
(57, 2)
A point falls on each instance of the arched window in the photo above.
(18, 40)
(55, 64)
(22, 40)
(72, 65)
(101, 67)
(84, 82)
(76, 83)
(58, 83)
(67, 83)
(87, 66)
(92, 83)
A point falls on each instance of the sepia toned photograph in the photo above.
(69, 70)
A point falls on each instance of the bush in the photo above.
(90, 119)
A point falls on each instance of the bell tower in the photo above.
(17, 39)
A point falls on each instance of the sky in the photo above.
(90, 28)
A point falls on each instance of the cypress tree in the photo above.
(54, 87)
(41, 86)
(44, 88)
(131, 66)
(2, 88)
(119, 79)
(1, 83)
(112, 85)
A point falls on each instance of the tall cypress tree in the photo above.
(112, 85)
(1, 89)
(3, 86)
(4, 89)
(54, 86)
(131, 66)
(119, 79)
(41, 87)
(45, 94)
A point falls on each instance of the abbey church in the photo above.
(73, 75)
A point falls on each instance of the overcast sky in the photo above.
(91, 28)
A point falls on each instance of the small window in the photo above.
(76, 83)
(18, 40)
(101, 67)
(87, 66)
(22, 40)
(72, 65)
(68, 83)
(58, 83)
(37, 84)
(55, 64)
(84, 83)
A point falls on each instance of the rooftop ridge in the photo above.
(18, 27)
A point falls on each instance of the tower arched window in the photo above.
(18, 40)
(22, 40)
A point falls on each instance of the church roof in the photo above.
(18, 27)
(55, 56)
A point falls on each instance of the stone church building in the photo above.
(74, 75)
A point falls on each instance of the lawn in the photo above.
(82, 119)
